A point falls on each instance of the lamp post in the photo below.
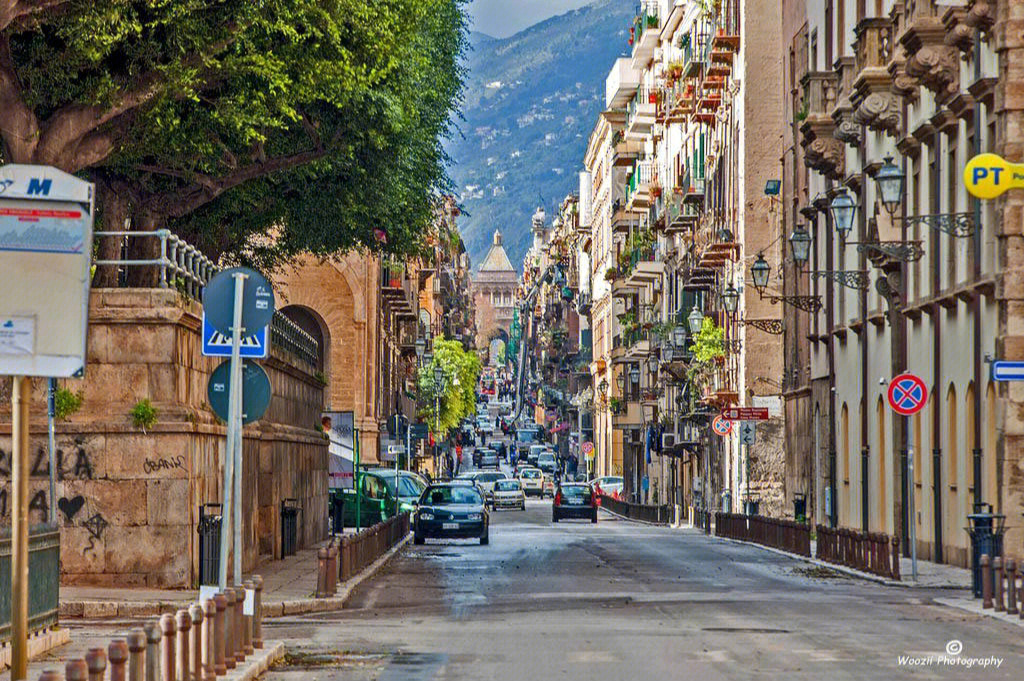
(438, 378)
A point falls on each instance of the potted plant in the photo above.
(611, 274)
(616, 405)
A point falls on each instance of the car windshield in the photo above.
(532, 473)
(452, 495)
(507, 486)
(546, 457)
(490, 477)
(526, 435)
(410, 487)
(537, 450)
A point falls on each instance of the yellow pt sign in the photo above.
(986, 176)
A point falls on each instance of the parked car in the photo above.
(508, 494)
(451, 511)
(574, 500)
(548, 487)
(486, 481)
(533, 455)
(532, 480)
(606, 483)
(410, 486)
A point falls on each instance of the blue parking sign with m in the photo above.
(216, 344)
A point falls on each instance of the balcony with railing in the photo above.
(638, 186)
(398, 292)
(644, 34)
(621, 83)
(680, 215)
(642, 112)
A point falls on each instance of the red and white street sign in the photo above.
(745, 413)
(907, 394)
(721, 426)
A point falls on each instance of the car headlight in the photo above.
(476, 516)
(426, 516)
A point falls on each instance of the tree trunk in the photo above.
(145, 248)
(113, 215)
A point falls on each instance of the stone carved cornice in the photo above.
(846, 130)
(981, 14)
(822, 151)
(959, 33)
(827, 155)
(931, 61)
(937, 67)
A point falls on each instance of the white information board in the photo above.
(46, 221)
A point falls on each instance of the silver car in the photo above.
(508, 494)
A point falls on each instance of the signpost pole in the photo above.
(22, 393)
(236, 422)
(234, 403)
(51, 417)
(910, 501)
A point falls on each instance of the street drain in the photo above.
(299, 661)
(745, 630)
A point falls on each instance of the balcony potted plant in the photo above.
(616, 405)
(611, 274)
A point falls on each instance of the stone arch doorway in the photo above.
(312, 323)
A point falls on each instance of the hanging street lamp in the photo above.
(890, 179)
(730, 299)
(634, 374)
(844, 212)
(800, 242)
(759, 272)
(695, 320)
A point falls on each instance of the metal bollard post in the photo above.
(219, 666)
(986, 581)
(117, 653)
(195, 613)
(1011, 587)
(49, 675)
(239, 621)
(997, 566)
(168, 628)
(321, 572)
(247, 619)
(257, 620)
(153, 637)
(896, 558)
(96, 661)
(229, 628)
(209, 640)
(137, 655)
(184, 623)
(332, 569)
(76, 670)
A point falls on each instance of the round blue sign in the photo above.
(257, 301)
(255, 390)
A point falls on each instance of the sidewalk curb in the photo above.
(840, 568)
(634, 520)
(974, 606)
(99, 610)
(259, 662)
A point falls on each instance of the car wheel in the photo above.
(485, 538)
(418, 538)
(593, 518)
(554, 517)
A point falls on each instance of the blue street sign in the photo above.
(216, 344)
(1008, 371)
(256, 391)
(257, 300)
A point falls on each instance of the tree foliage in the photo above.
(313, 122)
(456, 401)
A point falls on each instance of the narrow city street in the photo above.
(582, 601)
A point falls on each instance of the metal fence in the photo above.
(181, 266)
(778, 533)
(660, 515)
(362, 549)
(872, 552)
(43, 579)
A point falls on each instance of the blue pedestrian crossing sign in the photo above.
(216, 344)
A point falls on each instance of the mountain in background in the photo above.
(531, 102)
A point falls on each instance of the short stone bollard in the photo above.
(184, 623)
(209, 643)
(321, 572)
(332, 569)
(168, 628)
(96, 661)
(247, 619)
(257, 618)
(76, 670)
(117, 654)
(219, 644)
(986, 581)
(137, 655)
(153, 637)
(1011, 587)
(49, 675)
(229, 628)
(195, 613)
(997, 567)
(239, 625)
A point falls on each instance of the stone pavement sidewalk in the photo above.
(289, 588)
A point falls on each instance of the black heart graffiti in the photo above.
(70, 507)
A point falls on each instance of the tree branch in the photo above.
(19, 128)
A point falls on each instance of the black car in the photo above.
(574, 500)
(451, 511)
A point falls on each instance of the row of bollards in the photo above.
(999, 585)
(195, 644)
(327, 570)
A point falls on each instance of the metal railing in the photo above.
(872, 552)
(183, 267)
(362, 549)
(43, 579)
(660, 515)
(778, 533)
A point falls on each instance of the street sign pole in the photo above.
(51, 418)
(22, 394)
(910, 500)
(234, 405)
(236, 421)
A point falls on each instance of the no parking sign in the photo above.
(907, 394)
(721, 427)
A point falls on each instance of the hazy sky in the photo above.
(502, 18)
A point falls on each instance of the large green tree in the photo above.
(456, 394)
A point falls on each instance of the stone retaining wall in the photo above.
(128, 500)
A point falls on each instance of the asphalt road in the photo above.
(619, 600)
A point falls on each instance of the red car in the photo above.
(574, 500)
